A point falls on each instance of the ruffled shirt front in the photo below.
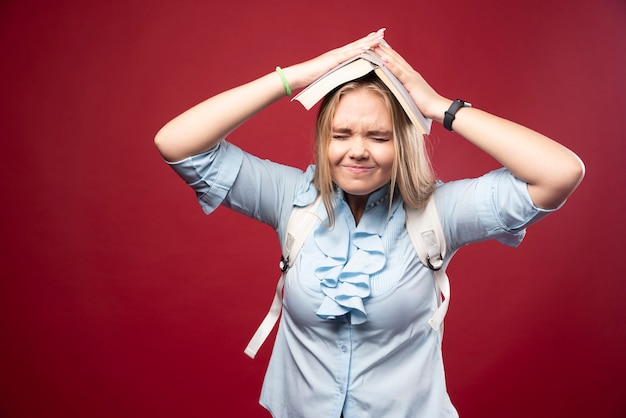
(353, 337)
(348, 260)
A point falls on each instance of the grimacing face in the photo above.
(361, 151)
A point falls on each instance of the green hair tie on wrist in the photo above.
(284, 79)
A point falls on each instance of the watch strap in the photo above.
(450, 114)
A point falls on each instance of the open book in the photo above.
(358, 67)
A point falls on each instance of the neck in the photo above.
(357, 204)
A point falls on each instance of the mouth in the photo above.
(357, 169)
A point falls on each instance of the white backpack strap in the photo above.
(301, 222)
(427, 235)
(268, 323)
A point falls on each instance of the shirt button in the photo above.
(344, 348)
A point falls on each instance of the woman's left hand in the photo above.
(429, 102)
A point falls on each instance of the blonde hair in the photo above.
(412, 172)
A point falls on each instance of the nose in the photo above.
(358, 149)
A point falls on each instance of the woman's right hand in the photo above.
(301, 75)
(203, 126)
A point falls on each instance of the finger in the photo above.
(380, 31)
(372, 39)
(389, 53)
(385, 43)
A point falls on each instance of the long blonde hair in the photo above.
(412, 171)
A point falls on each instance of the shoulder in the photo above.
(497, 182)
(495, 205)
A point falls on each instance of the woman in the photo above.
(353, 338)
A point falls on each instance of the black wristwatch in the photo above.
(451, 112)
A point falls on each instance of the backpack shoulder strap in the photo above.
(299, 227)
(424, 228)
(425, 231)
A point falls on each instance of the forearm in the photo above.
(206, 124)
(551, 170)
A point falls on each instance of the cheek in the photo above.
(335, 152)
(387, 157)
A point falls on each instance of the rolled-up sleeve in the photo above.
(258, 188)
(211, 174)
(494, 206)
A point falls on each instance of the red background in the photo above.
(119, 298)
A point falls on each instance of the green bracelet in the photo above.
(284, 79)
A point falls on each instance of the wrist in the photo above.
(438, 109)
(450, 115)
(284, 80)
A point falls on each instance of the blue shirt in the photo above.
(353, 336)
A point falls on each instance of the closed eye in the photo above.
(380, 136)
